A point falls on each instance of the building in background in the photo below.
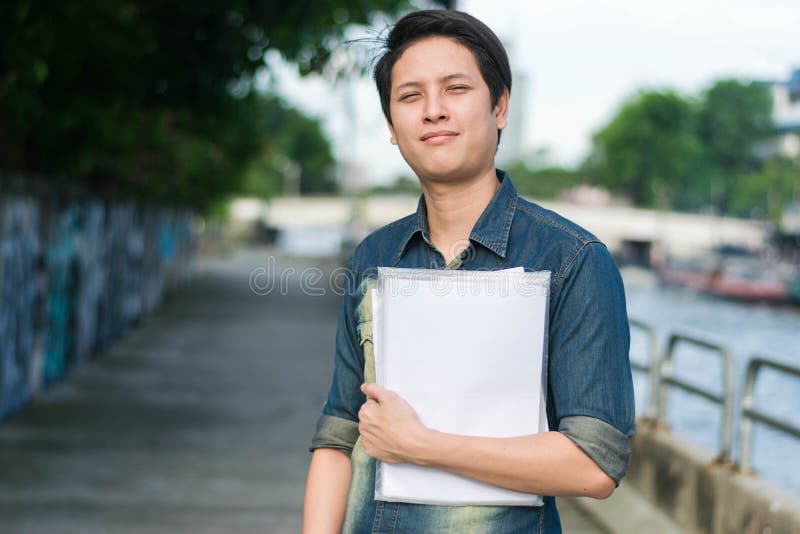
(785, 117)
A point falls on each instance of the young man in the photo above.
(444, 83)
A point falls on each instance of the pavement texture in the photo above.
(197, 421)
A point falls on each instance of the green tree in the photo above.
(766, 192)
(297, 146)
(733, 117)
(152, 98)
(544, 182)
(649, 151)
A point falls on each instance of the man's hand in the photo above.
(389, 426)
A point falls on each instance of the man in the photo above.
(444, 83)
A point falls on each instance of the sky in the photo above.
(574, 63)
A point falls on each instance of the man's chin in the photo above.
(441, 172)
(442, 176)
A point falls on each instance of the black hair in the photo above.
(463, 28)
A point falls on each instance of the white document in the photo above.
(465, 349)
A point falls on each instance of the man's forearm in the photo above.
(545, 464)
(326, 492)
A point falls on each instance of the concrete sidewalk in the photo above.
(198, 421)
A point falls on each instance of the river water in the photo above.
(746, 330)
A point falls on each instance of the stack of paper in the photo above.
(465, 349)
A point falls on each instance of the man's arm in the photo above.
(545, 464)
(328, 482)
(326, 491)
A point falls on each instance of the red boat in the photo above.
(739, 275)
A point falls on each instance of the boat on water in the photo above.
(736, 274)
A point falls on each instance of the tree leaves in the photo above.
(153, 99)
(673, 151)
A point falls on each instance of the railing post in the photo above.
(728, 384)
(747, 421)
(665, 370)
(730, 393)
(750, 414)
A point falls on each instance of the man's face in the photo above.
(443, 120)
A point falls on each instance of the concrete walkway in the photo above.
(197, 421)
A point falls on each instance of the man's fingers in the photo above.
(373, 391)
(364, 411)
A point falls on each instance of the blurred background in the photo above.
(170, 173)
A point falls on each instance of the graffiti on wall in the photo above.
(74, 276)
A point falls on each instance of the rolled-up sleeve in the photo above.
(335, 433)
(609, 448)
(337, 427)
(591, 390)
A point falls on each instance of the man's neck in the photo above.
(454, 208)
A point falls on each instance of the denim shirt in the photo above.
(589, 387)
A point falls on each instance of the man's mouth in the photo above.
(437, 137)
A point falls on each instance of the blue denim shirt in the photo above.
(590, 392)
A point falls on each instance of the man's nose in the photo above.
(435, 109)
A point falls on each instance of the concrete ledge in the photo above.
(700, 494)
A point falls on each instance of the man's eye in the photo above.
(408, 96)
(458, 88)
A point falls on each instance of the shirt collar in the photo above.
(491, 229)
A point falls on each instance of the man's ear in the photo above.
(392, 136)
(500, 110)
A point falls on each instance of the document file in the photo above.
(466, 349)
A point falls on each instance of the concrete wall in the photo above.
(702, 495)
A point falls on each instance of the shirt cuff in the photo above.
(335, 433)
(608, 447)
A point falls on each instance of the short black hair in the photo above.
(462, 27)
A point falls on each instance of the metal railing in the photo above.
(725, 399)
(749, 414)
(661, 379)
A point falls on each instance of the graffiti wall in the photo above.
(74, 276)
